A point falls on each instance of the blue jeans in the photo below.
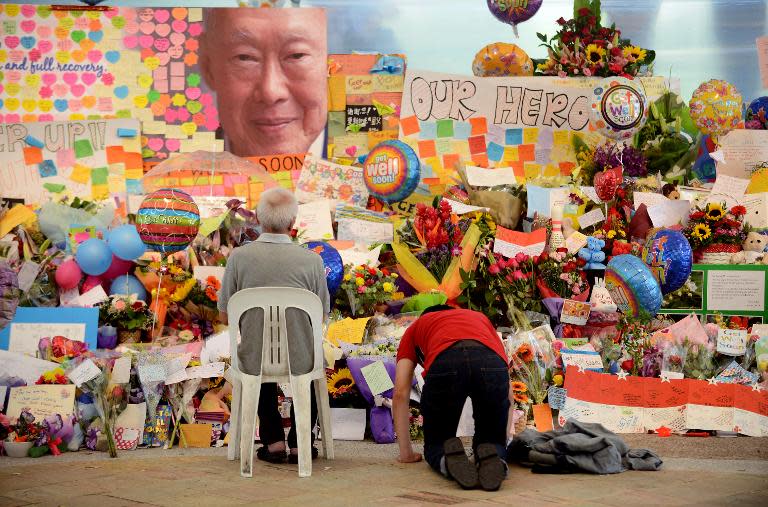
(465, 370)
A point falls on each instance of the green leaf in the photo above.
(542, 37)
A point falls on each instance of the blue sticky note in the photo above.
(47, 169)
(538, 201)
(495, 151)
(514, 136)
(428, 130)
(462, 130)
(33, 141)
(51, 317)
(134, 187)
(126, 132)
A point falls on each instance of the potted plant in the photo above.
(128, 314)
(20, 437)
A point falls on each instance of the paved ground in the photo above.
(697, 472)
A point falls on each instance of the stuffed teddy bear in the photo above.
(753, 246)
(593, 253)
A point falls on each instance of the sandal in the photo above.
(293, 459)
(458, 465)
(270, 457)
(490, 468)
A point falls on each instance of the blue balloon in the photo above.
(334, 267)
(670, 258)
(125, 285)
(756, 105)
(93, 256)
(632, 286)
(125, 242)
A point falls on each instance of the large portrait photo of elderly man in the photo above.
(268, 69)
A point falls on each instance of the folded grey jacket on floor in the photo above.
(579, 447)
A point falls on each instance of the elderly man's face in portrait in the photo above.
(268, 68)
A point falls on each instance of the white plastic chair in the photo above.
(275, 367)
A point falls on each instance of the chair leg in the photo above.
(251, 389)
(233, 448)
(324, 412)
(300, 387)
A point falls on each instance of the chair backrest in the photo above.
(274, 301)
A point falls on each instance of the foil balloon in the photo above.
(334, 266)
(501, 59)
(167, 220)
(670, 258)
(715, 107)
(607, 182)
(513, 12)
(391, 171)
(757, 114)
(619, 107)
(632, 286)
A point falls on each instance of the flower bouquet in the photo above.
(128, 314)
(199, 312)
(530, 364)
(434, 247)
(366, 288)
(520, 405)
(583, 47)
(715, 233)
(514, 279)
(167, 283)
(20, 437)
(342, 388)
(559, 276)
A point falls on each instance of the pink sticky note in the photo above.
(82, 236)
(161, 85)
(177, 82)
(65, 158)
(177, 69)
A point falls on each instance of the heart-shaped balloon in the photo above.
(607, 182)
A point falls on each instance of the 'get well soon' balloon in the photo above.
(391, 171)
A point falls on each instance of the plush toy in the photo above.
(593, 253)
(670, 191)
(753, 246)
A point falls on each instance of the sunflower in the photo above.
(715, 212)
(701, 232)
(634, 52)
(519, 387)
(521, 398)
(340, 382)
(525, 353)
(595, 54)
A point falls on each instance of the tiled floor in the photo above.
(367, 474)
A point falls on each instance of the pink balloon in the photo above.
(117, 268)
(90, 282)
(68, 274)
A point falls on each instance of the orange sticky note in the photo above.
(32, 155)
(427, 148)
(479, 126)
(450, 160)
(410, 125)
(115, 154)
(337, 96)
(480, 159)
(566, 168)
(526, 152)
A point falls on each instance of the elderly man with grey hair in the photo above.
(274, 260)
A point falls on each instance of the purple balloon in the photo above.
(513, 11)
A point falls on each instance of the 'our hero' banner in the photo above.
(519, 122)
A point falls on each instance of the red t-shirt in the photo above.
(434, 332)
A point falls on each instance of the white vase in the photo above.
(17, 449)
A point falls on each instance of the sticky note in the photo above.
(450, 160)
(495, 151)
(410, 125)
(462, 130)
(47, 169)
(527, 152)
(560, 137)
(427, 149)
(33, 141)
(337, 95)
(514, 136)
(99, 176)
(54, 188)
(476, 144)
(32, 155)
(443, 146)
(65, 158)
(126, 132)
(530, 136)
(99, 192)
(134, 187)
(445, 128)
(80, 174)
(511, 154)
(428, 130)
(83, 148)
(479, 126)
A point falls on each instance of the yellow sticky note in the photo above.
(194, 14)
(551, 170)
(462, 148)
(510, 154)
(80, 174)
(337, 93)
(132, 144)
(99, 192)
(530, 136)
(154, 127)
(347, 330)
(560, 137)
(218, 180)
(359, 84)
(134, 174)
(532, 170)
(116, 183)
(387, 83)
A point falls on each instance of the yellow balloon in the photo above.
(716, 107)
(502, 59)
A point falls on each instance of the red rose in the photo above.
(138, 305)
(627, 365)
(697, 215)
(372, 271)
(369, 282)
(494, 269)
(561, 21)
(584, 11)
(616, 51)
(385, 271)
(616, 68)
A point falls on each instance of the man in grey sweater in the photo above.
(275, 261)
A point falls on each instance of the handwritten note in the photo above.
(591, 193)
(313, 220)
(509, 243)
(42, 401)
(377, 378)
(670, 212)
(481, 177)
(347, 330)
(121, 370)
(91, 298)
(728, 189)
(593, 217)
(736, 290)
(85, 371)
(364, 231)
(732, 342)
(744, 152)
(24, 336)
(584, 359)
(209, 370)
(575, 242)
(27, 275)
(556, 397)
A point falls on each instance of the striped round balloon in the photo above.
(168, 220)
